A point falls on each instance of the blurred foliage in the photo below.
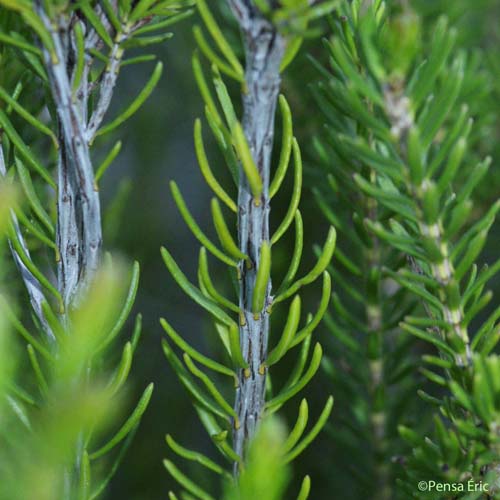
(403, 161)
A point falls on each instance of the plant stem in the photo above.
(374, 321)
(442, 271)
(79, 233)
(264, 48)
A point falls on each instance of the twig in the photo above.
(79, 233)
(264, 49)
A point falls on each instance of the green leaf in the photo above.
(128, 426)
(474, 249)
(127, 307)
(26, 260)
(415, 157)
(213, 57)
(297, 253)
(121, 373)
(183, 345)
(224, 98)
(312, 433)
(451, 167)
(204, 275)
(19, 43)
(247, 162)
(288, 393)
(114, 152)
(442, 43)
(185, 482)
(218, 37)
(112, 14)
(300, 363)
(24, 151)
(315, 320)
(80, 56)
(146, 41)
(298, 428)
(96, 23)
(262, 278)
(195, 457)
(431, 122)
(288, 334)
(85, 477)
(23, 113)
(212, 389)
(319, 267)
(138, 60)
(194, 292)
(40, 377)
(305, 489)
(136, 104)
(195, 229)
(32, 197)
(291, 51)
(35, 230)
(204, 90)
(297, 190)
(431, 338)
(12, 318)
(223, 233)
(286, 147)
(206, 170)
(159, 25)
(203, 399)
(218, 435)
(235, 346)
(141, 9)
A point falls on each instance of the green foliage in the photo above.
(74, 407)
(402, 170)
(399, 143)
(260, 475)
(61, 59)
(265, 475)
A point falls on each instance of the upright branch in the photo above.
(243, 323)
(79, 231)
(73, 53)
(365, 311)
(83, 48)
(264, 50)
(419, 147)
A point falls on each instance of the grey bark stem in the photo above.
(264, 48)
(79, 233)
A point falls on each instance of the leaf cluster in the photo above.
(402, 138)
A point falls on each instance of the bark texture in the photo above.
(79, 232)
(264, 48)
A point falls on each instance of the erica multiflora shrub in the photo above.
(400, 152)
(59, 65)
(350, 150)
(249, 346)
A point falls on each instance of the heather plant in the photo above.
(59, 65)
(401, 147)
(370, 127)
(271, 37)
